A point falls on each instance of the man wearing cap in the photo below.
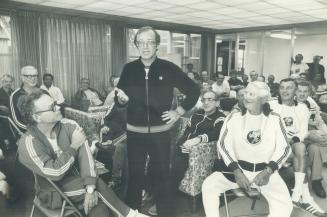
(316, 68)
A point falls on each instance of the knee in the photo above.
(299, 149)
(209, 185)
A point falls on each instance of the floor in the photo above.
(238, 206)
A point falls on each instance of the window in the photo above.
(5, 45)
(177, 47)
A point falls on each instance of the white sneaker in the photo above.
(311, 207)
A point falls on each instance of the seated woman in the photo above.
(203, 126)
(86, 96)
(253, 146)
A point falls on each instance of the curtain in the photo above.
(67, 47)
(119, 48)
(208, 53)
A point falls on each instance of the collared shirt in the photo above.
(55, 93)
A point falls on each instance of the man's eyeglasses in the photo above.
(30, 76)
(208, 100)
(53, 107)
(146, 43)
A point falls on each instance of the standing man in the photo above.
(298, 67)
(315, 68)
(253, 75)
(147, 85)
(53, 91)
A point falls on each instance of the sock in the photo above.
(297, 191)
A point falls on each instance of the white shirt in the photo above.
(221, 89)
(93, 97)
(55, 147)
(294, 118)
(297, 69)
(55, 93)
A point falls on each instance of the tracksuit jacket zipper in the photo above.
(147, 96)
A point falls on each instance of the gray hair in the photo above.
(263, 89)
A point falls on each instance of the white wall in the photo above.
(277, 57)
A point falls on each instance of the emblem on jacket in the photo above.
(254, 137)
(160, 77)
(288, 121)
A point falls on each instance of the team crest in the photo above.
(254, 137)
(288, 121)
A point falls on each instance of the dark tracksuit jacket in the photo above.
(207, 128)
(150, 94)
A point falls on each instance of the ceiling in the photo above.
(213, 14)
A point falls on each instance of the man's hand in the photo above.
(121, 96)
(186, 147)
(78, 138)
(317, 136)
(241, 179)
(90, 201)
(262, 178)
(170, 116)
(104, 130)
(2, 157)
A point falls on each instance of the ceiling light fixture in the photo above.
(282, 35)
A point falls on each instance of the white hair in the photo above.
(263, 89)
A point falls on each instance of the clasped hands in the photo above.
(260, 179)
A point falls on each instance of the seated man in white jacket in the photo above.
(254, 156)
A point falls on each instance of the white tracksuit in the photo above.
(267, 143)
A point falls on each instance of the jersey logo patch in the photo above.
(288, 121)
(254, 137)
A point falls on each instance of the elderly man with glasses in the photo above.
(29, 77)
(56, 148)
(147, 84)
(203, 126)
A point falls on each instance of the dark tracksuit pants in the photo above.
(157, 146)
(179, 167)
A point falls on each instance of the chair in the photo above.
(241, 193)
(254, 195)
(201, 161)
(67, 208)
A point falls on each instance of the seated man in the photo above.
(53, 91)
(113, 133)
(6, 135)
(317, 138)
(253, 146)
(29, 77)
(203, 126)
(86, 96)
(220, 87)
(295, 119)
(57, 148)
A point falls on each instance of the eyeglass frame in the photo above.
(208, 100)
(30, 76)
(53, 107)
(147, 43)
